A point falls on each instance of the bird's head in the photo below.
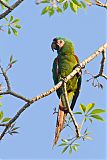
(62, 44)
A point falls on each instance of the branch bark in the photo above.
(70, 112)
(4, 14)
(4, 4)
(34, 99)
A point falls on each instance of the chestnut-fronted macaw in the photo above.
(63, 65)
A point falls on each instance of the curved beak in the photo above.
(53, 46)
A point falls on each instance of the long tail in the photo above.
(60, 122)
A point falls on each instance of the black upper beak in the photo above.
(53, 46)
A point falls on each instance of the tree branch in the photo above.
(6, 78)
(14, 94)
(98, 3)
(74, 72)
(101, 72)
(4, 14)
(70, 112)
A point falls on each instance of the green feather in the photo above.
(66, 62)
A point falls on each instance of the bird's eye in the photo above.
(61, 41)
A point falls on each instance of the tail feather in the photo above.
(60, 122)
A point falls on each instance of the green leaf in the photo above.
(14, 31)
(6, 19)
(65, 5)
(45, 10)
(11, 18)
(77, 144)
(13, 61)
(75, 148)
(70, 151)
(77, 3)
(51, 11)
(15, 21)
(77, 113)
(59, 10)
(1, 96)
(1, 114)
(63, 144)
(3, 7)
(60, 1)
(9, 31)
(83, 4)
(15, 128)
(6, 120)
(45, 1)
(98, 111)
(64, 140)
(88, 1)
(73, 7)
(17, 26)
(90, 120)
(11, 58)
(97, 117)
(87, 137)
(14, 132)
(89, 107)
(65, 148)
(0, 104)
(83, 108)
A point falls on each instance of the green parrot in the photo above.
(63, 65)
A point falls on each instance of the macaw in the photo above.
(63, 65)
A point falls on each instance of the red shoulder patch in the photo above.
(76, 58)
(56, 61)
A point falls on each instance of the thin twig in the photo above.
(4, 14)
(101, 72)
(6, 79)
(97, 3)
(70, 111)
(14, 94)
(4, 124)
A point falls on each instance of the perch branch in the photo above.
(76, 70)
(10, 9)
(70, 112)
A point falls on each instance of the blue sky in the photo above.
(32, 75)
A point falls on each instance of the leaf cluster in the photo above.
(88, 113)
(12, 25)
(61, 5)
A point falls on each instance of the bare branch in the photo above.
(101, 72)
(4, 14)
(98, 3)
(4, 4)
(70, 112)
(4, 124)
(6, 78)
(15, 95)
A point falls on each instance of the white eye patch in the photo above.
(60, 43)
